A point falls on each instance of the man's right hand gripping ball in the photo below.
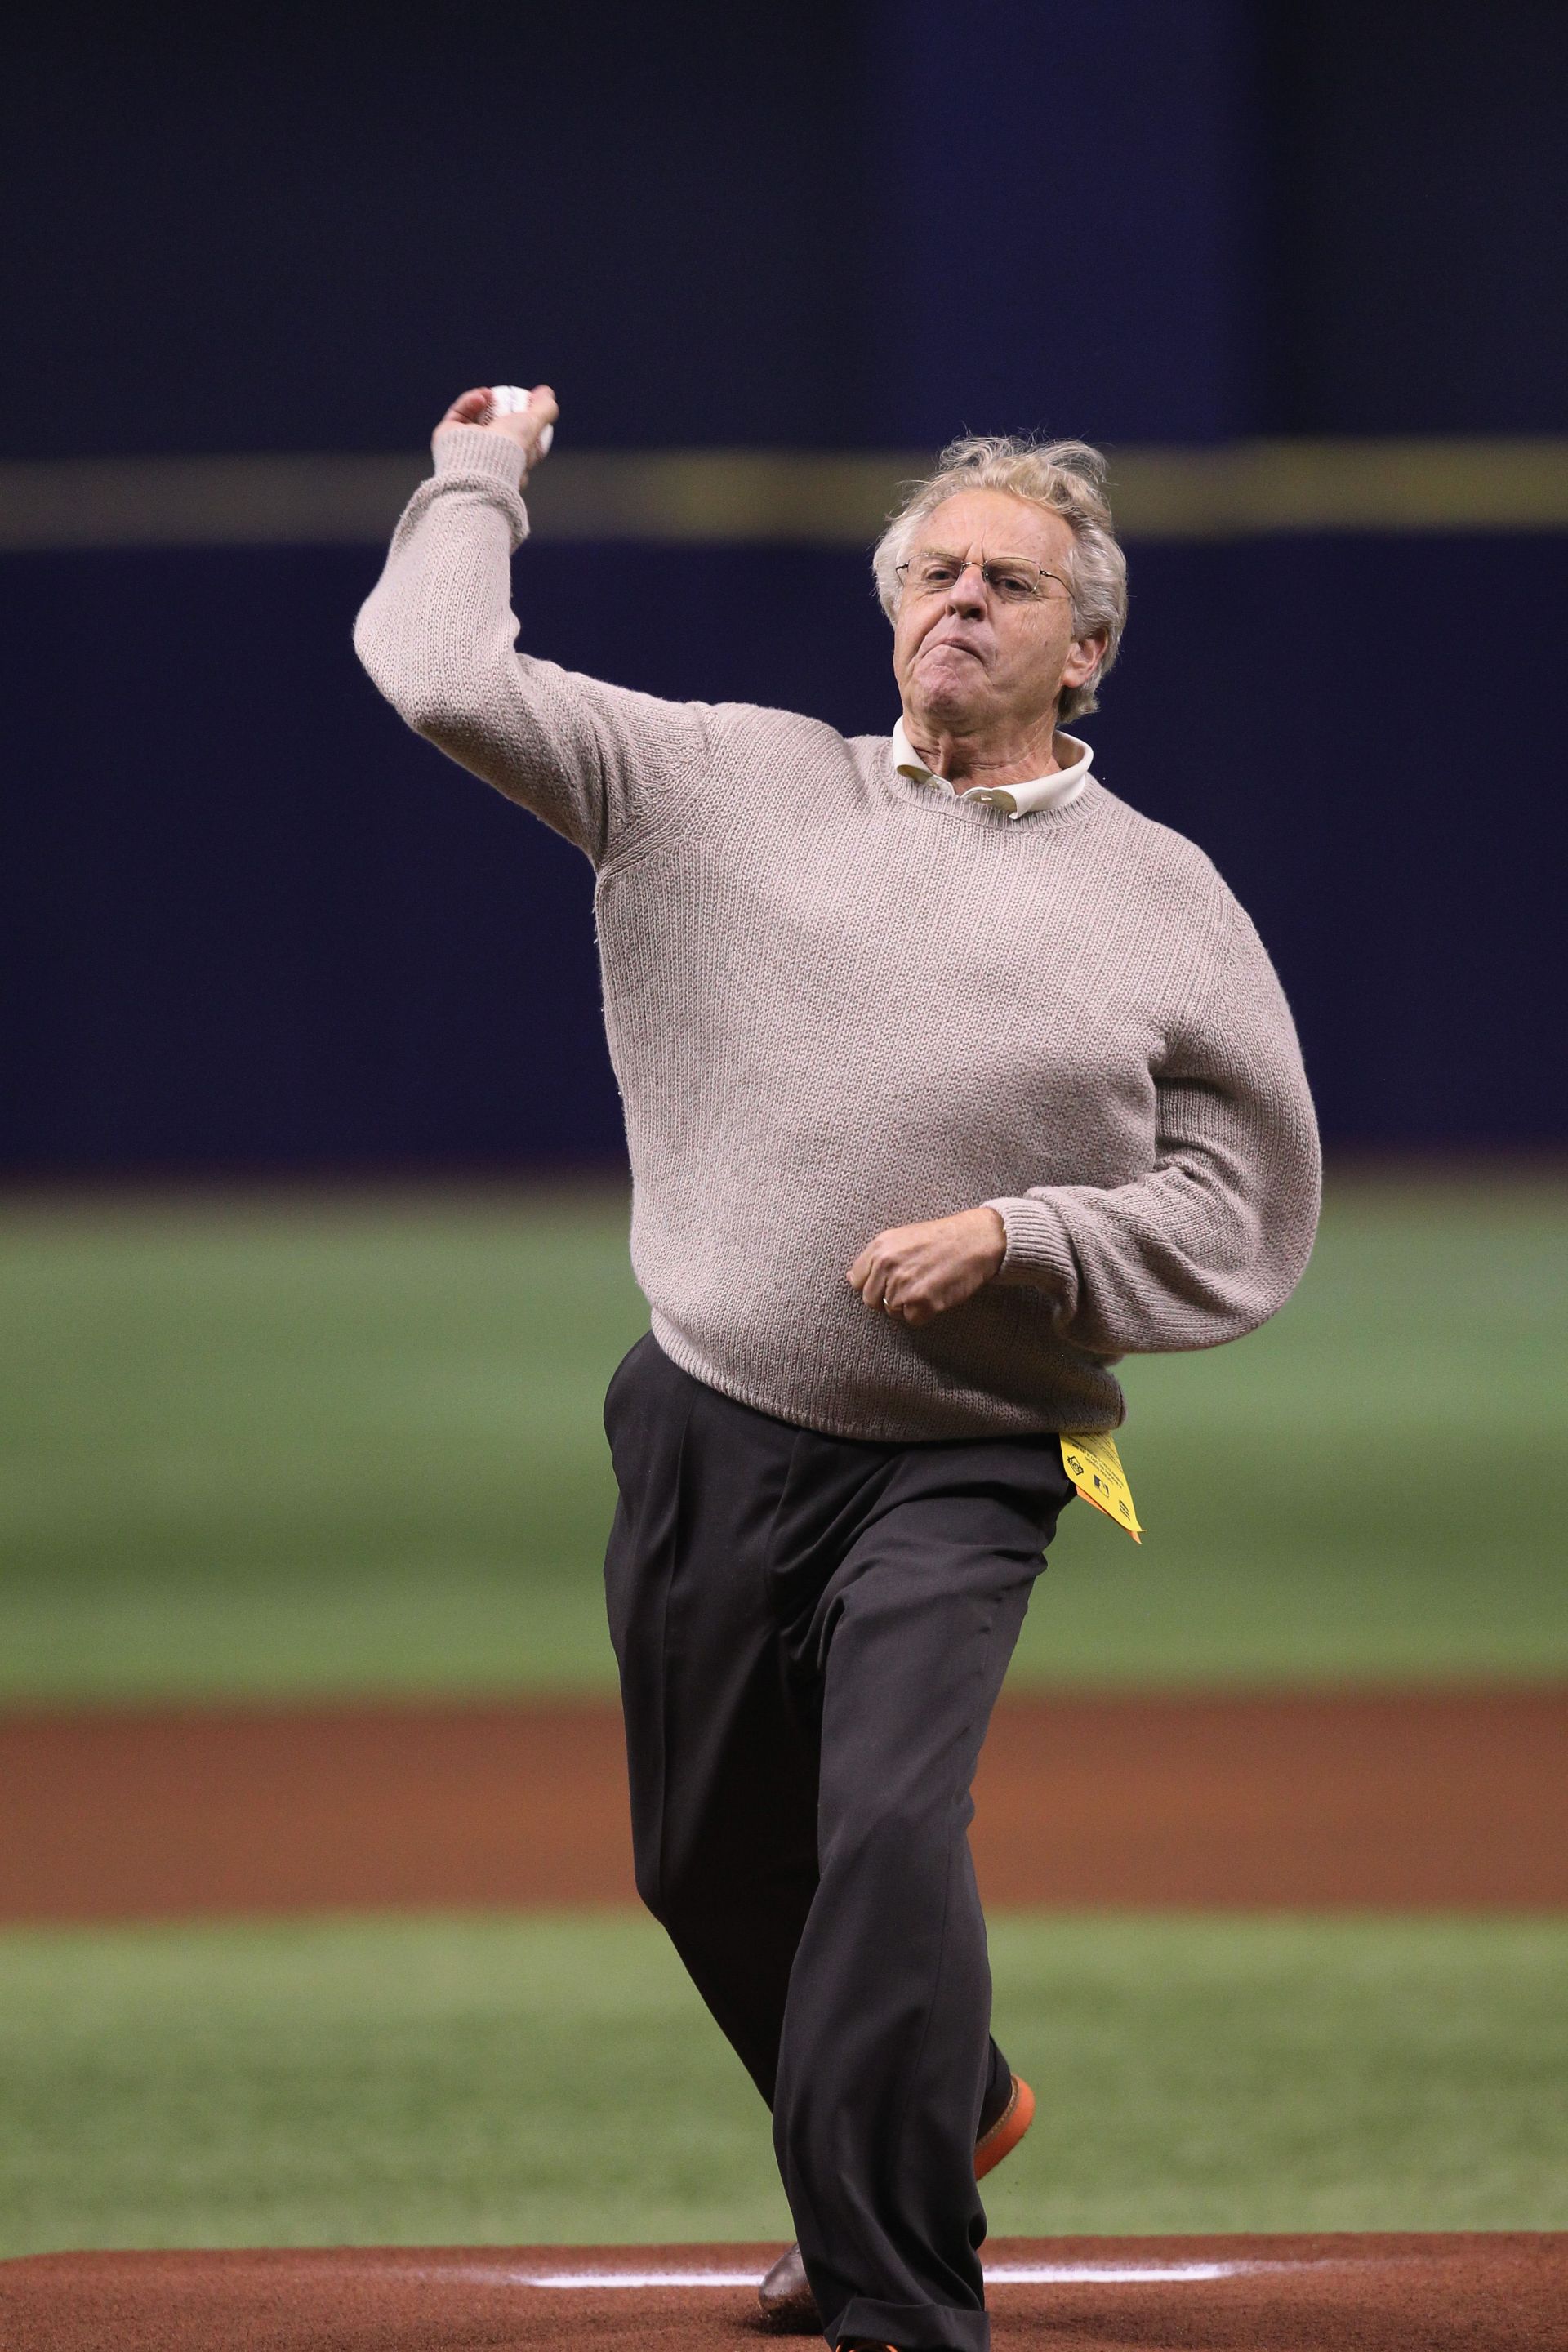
(522, 425)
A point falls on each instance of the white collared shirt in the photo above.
(1018, 800)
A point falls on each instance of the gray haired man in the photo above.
(949, 1079)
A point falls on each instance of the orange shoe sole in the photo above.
(1006, 2131)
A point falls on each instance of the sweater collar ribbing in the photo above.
(1023, 798)
(1063, 795)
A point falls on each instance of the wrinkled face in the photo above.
(967, 654)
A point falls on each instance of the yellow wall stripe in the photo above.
(804, 497)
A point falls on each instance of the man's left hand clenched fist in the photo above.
(916, 1271)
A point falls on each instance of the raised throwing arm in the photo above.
(600, 764)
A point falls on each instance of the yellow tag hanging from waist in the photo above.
(1095, 1468)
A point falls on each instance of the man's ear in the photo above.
(1084, 657)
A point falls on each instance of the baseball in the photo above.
(507, 400)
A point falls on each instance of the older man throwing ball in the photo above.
(949, 1079)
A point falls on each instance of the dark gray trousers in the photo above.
(811, 1633)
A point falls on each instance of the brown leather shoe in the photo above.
(785, 2300)
(784, 2297)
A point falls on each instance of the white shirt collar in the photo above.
(1018, 800)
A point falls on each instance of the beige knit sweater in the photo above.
(837, 1000)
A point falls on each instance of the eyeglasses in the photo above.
(1011, 579)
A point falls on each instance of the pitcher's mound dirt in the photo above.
(1503, 2292)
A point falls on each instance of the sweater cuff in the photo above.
(1039, 1253)
(474, 449)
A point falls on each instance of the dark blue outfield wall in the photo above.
(250, 923)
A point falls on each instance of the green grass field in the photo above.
(350, 1444)
(504, 2082)
(340, 1445)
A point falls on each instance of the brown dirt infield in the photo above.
(1409, 1801)
(1503, 2292)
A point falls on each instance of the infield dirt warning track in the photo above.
(1493, 2292)
(1404, 1800)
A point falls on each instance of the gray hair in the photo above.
(1066, 477)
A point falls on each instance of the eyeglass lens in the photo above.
(1014, 578)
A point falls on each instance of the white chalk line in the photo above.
(997, 2274)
